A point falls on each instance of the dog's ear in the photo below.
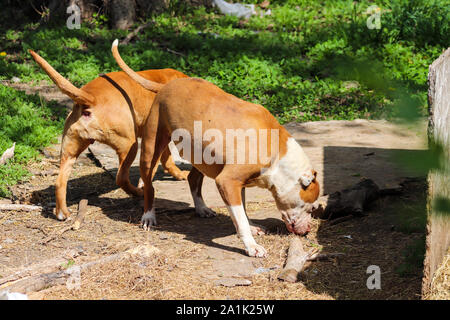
(78, 95)
(315, 174)
(310, 193)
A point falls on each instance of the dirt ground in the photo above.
(189, 257)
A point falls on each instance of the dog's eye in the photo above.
(85, 112)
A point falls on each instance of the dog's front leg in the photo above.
(231, 194)
(257, 230)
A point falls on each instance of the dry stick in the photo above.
(340, 220)
(35, 269)
(82, 208)
(47, 280)
(325, 256)
(14, 206)
(133, 34)
(297, 257)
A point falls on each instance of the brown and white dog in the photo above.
(179, 104)
(110, 109)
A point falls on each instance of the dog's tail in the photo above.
(78, 95)
(147, 84)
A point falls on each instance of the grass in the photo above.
(30, 122)
(289, 61)
(307, 61)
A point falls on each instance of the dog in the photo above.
(288, 174)
(110, 109)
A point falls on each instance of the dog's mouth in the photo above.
(300, 226)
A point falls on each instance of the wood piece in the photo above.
(232, 282)
(325, 256)
(136, 31)
(43, 281)
(17, 207)
(297, 257)
(352, 201)
(82, 208)
(8, 154)
(39, 268)
(438, 219)
(341, 219)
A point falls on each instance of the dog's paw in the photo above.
(257, 230)
(61, 215)
(148, 220)
(205, 212)
(181, 175)
(255, 250)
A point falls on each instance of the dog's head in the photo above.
(294, 206)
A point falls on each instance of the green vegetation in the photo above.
(32, 124)
(288, 61)
(308, 60)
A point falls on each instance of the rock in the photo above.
(15, 79)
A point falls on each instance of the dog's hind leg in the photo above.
(195, 179)
(155, 139)
(126, 158)
(169, 165)
(71, 148)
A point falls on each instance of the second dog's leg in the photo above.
(126, 158)
(230, 190)
(154, 140)
(195, 179)
(169, 165)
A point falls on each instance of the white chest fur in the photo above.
(286, 173)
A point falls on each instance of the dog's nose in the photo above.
(302, 230)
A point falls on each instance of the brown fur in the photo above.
(181, 102)
(311, 192)
(110, 109)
